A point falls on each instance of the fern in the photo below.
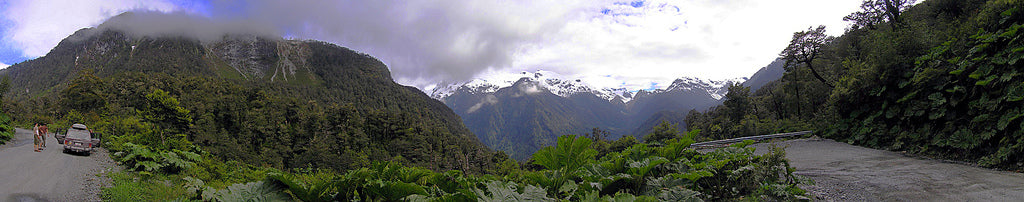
(322, 191)
(571, 153)
(391, 191)
(253, 191)
(509, 191)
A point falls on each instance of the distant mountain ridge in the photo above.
(520, 113)
(547, 80)
(563, 87)
(766, 75)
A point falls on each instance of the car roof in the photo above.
(79, 126)
(78, 134)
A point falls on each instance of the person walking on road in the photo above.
(43, 130)
(36, 139)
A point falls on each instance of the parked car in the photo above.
(78, 138)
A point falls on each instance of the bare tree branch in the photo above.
(805, 47)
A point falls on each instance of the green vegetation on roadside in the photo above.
(6, 125)
(941, 78)
(572, 170)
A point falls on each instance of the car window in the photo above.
(79, 134)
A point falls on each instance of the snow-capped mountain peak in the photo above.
(550, 81)
(444, 90)
(561, 86)
(716, 88)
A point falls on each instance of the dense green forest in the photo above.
(940, 78)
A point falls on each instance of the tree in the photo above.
(85, 93)
(5, 85)
(662, 132)
(166, 113)
(693, 119)
(804, 48)
(737, 100)
(597, 134)
(878, 11)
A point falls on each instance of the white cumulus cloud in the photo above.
(37, 26)
(648, 44)
(608, 43)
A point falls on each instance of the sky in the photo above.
(609, 44)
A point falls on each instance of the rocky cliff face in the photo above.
(263, 58)
(252, 57)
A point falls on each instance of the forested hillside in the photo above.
(520, 123)
(940, 78)
(254, 99)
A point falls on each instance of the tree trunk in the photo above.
(816, 75)
(892, 9)
(798, 105)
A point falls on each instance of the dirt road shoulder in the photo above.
(844, 172)
(50, 175)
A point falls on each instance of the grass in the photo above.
(131, 186)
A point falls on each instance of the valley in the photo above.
(520, 113)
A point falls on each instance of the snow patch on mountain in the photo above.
(716, 88)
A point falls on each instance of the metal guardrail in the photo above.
(754, 138)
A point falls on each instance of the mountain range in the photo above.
(523, 112)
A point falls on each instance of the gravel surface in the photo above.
(51, 175)
(844, 172)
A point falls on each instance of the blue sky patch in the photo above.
(9, 54)
(636, 4)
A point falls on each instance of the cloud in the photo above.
(631, 44)
(636, 42)
(425, 42)
(530, 88)
(37, 26)
(487, 100)
(181, 24)
(4, 66)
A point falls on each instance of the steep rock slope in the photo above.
(765, 75)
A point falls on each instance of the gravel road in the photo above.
(844, 172)
(50, 175)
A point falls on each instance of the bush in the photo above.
(6, 129)
(142, 158)
(642, 172)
